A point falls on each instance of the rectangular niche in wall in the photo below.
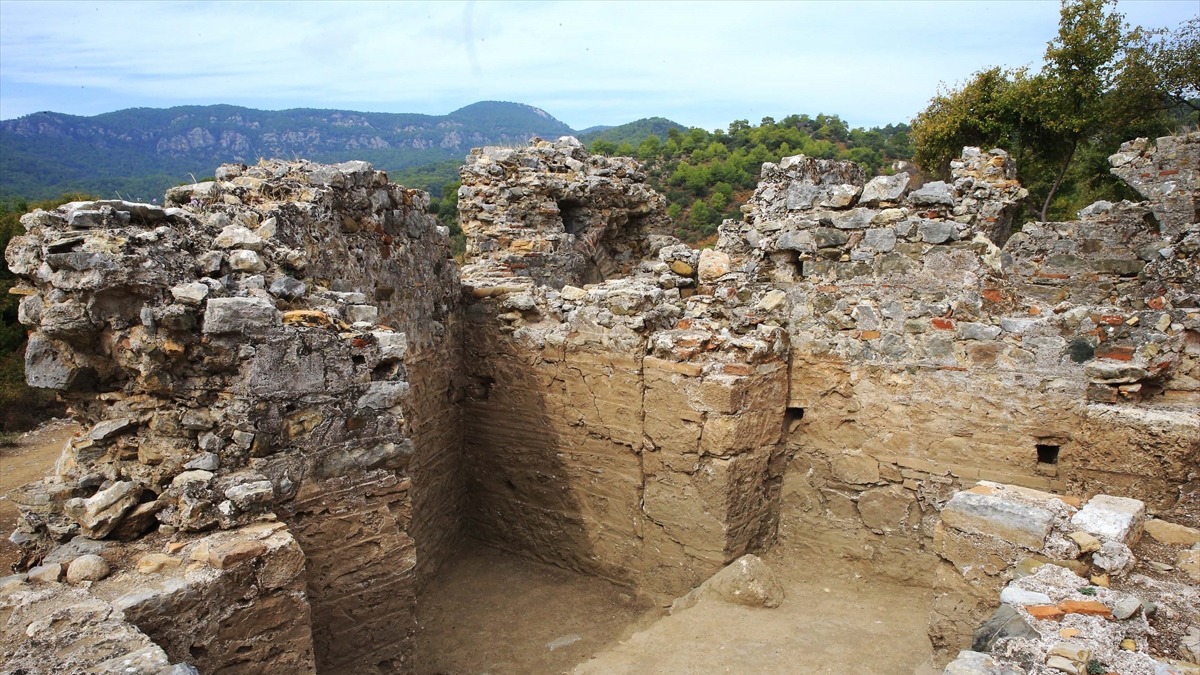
(1047, 453)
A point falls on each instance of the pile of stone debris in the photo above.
(1086, 604)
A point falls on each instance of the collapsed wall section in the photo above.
(554, 213)
(253, 350)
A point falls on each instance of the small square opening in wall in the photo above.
(791, 419)
(1047, 454)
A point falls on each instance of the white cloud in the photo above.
(585, 62)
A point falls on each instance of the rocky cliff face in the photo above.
(289, 352)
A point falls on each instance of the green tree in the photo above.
(603, 147)
(1102, 83)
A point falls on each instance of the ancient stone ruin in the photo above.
(296, 404)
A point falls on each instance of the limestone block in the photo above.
(1171, 533)
(239, 315)
(99, 514)
(362, 313)
(937, 193)
(392, 345)
(236, 236)
(713, 265)
(999, 516)
(46, 574)
(230, 553)
(1116, 518)
(288, 288)
(383, 395)
(975, 663)
(246, 261)
(884, 189)
(1189, 562)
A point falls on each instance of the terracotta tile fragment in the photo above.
(1045, 612)
(1089, 607)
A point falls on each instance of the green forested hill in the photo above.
(140, 152)
(708, 176)
(633, 133)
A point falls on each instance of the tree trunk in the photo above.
(1058, 181)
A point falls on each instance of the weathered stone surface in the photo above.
(997, 516)
(239, 315)
(884, 189)
(101, 513)
(1117, 518)
(713, 265)
(1113, 557)
(1171, 533)
(745, 581)
(976, 663)
(88, 567)
(936, 193)
(1006, 622)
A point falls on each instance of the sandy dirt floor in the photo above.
(30, 459)
(490, 612)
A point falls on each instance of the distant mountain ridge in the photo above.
(139, 152)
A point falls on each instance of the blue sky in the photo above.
(587, 63)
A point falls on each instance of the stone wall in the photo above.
(554, 213)
(923, 355)
(607, 433)
(292, 341)
(253, 348)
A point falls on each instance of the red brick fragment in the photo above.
(1045, 612)
(1115, 352)
(1089, 607)
(943, 324)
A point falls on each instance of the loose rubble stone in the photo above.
(89, 567)
(745, 581)
(46, 573)
(1171, 533)
(1004, 623)
(1113, 557)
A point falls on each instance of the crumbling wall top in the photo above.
(555, 213)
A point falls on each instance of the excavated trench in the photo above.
(313, 444)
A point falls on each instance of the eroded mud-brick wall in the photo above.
(254, 349)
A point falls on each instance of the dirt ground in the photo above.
(30, 459)
(490, 612)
